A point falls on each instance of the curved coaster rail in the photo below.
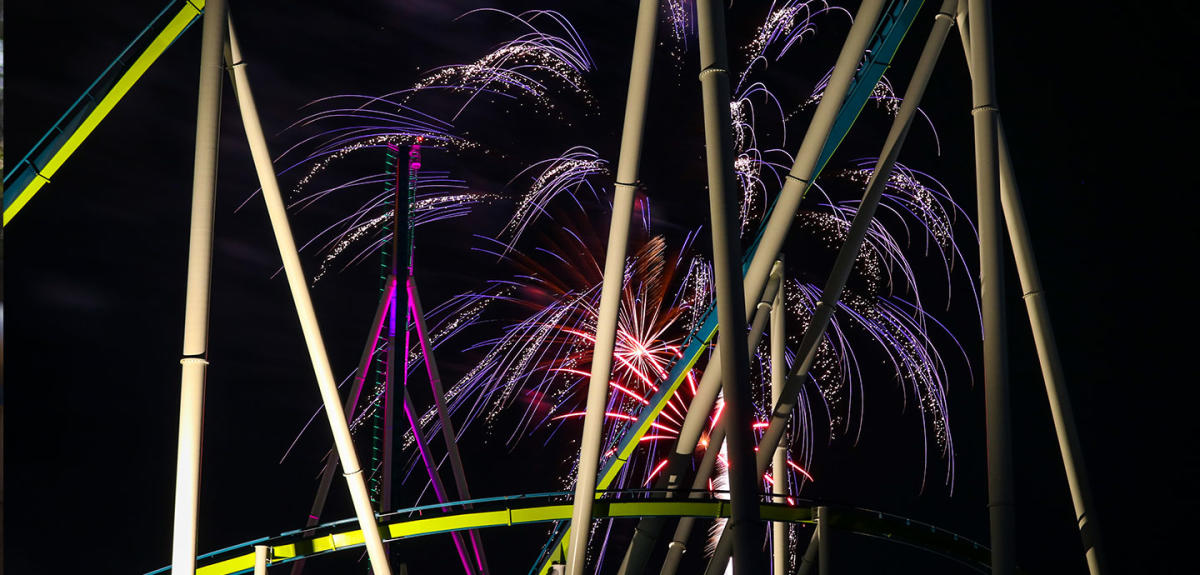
(546, 507)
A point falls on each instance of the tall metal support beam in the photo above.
(683, 530)
(360, 376)
(1047, 348)
(614, 275)
(195, 331)
(779, 485)
(439, 490)
(449, 434)
(1052, 372)
(298, 284)
(824, 541)
(799, 178)
(396, 357)
(261, 559)
(848, 253)
(735, 361)
(991, 279)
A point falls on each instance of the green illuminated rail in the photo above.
(547, 507)
(52, 150)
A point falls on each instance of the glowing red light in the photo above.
(800, 469)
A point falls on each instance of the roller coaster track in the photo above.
(547, 507)
(34, 170)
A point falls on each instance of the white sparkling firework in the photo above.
(787, 25)
(562, 174)
(524, 66)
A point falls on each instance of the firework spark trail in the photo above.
(749, 160)
(929, 205)
(512, 68)
(574, 319)
(835, 371)
(786, 25)
(438, 198)
(680, 16)
(916, 362)
(374, 123)
(566, 173)
(356, 124)
(902, 331)
(884, 96)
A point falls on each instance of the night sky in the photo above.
(1098, 115)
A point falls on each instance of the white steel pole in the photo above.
(744, 483)
(1047, 349)
(1052, 373)
(776, 229)
(991, 278)
(360, 376)
(307, 315)
(793, 189)
(261, 559)
(683, 530)
(779, 538)
(195, 334)
(610, 291)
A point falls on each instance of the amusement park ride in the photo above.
(748, 293)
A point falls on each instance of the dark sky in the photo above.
(1097, 111)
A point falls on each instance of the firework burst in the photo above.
(532, 367)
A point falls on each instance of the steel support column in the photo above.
(195, 331)
(779, 535)
(449, 434)
(991, 279)
(735, 361)
(824, 541)
(1044, 341)
(360, 376)
(298, 284)
(1052, 372)
(614, 276)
